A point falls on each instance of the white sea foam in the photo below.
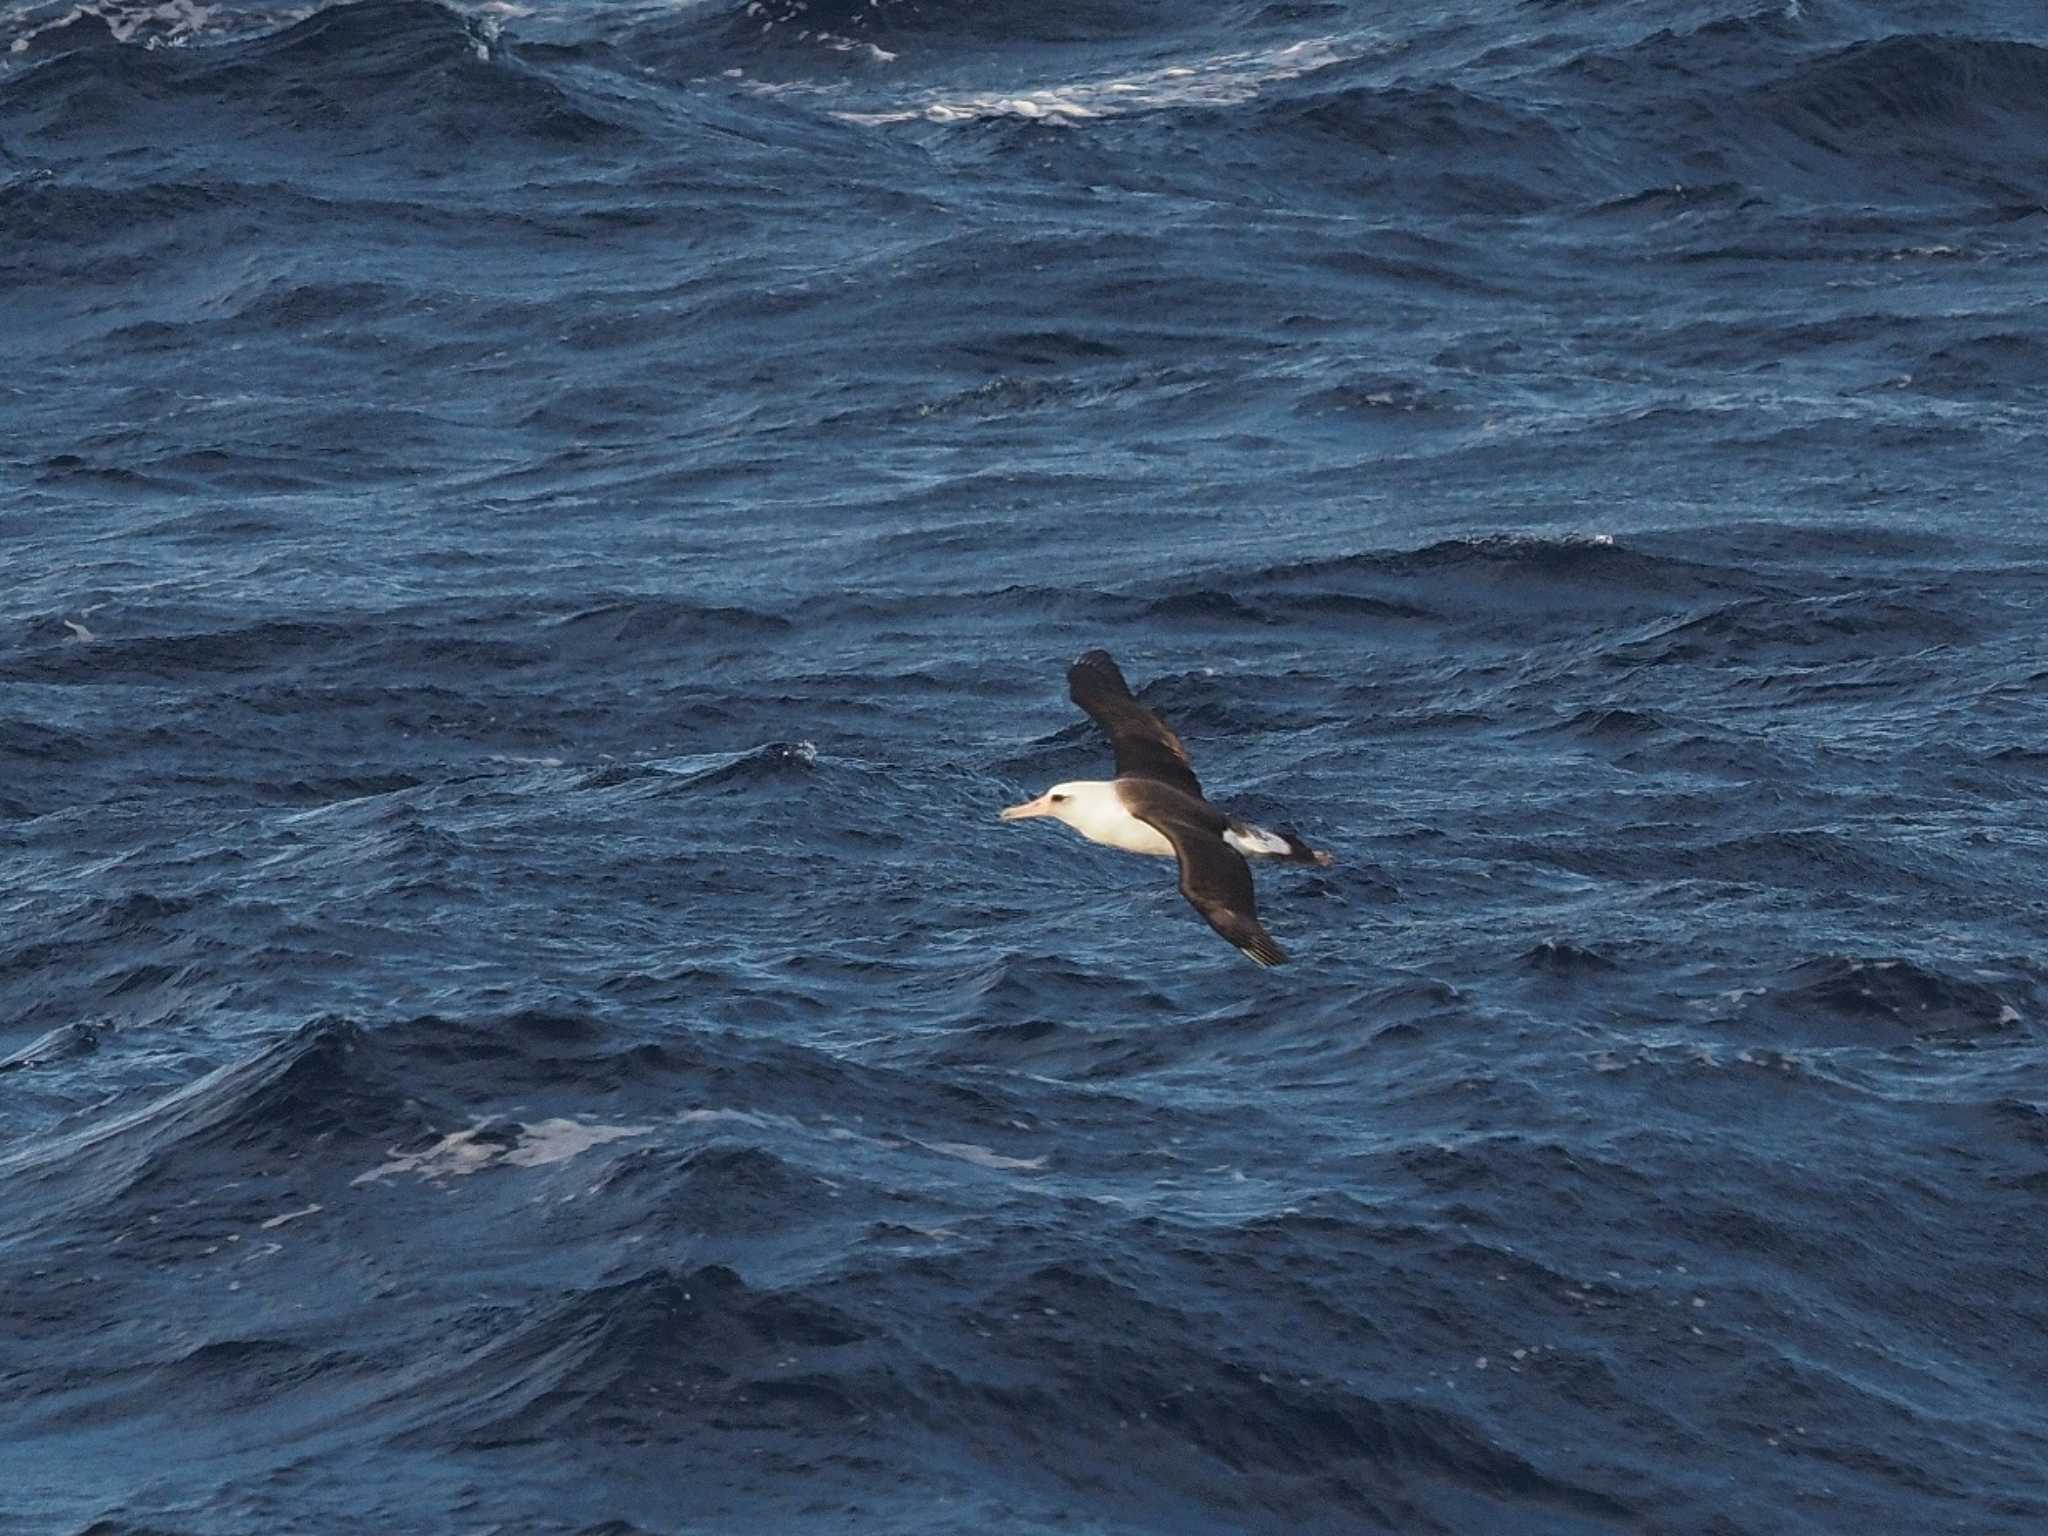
(982, 1157)
(1221, 80)
(164, 24)
(180, 23)
(461, 1153)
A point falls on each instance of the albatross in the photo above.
(1155, 806)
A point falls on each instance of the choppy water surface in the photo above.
(536, 543)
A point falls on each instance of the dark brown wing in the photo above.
(1145, 748)
(1213, 876)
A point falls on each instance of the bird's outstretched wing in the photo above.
(1213, 875)
(1144, 747)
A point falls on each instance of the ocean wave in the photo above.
(60, 1044)
(314, 1092)
(772, 761)
(342, 80)
(165, 658)
(1949, 113)
(1871, 94)
(626, 624)
(2000, 366)
(32, 31)
(1464, 580)
(540, 538)
(664, 1356)
(1008, 21)
(1885, 999)
(1854, 627)
(1194, 84)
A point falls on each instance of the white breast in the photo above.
(1097, 813)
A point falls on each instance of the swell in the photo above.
(1934, 111)
(670, 1357)
(516, 1002)
(872, 30)
(1440, 144)
(318, 1088)
(1676, 124)
(1882, 999)
(1788, 110)
(408, 78)
(178, 645)
(1453, 581)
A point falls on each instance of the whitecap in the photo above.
(982, 1157)
(461, 1153)
(1224, 79)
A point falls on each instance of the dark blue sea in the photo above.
(535, 540)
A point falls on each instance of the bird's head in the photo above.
(1063, 802)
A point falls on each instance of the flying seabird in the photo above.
(1154, 805)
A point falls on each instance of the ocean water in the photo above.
(535, 540)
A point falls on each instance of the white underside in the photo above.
(1096, 811)
(1093, 808)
